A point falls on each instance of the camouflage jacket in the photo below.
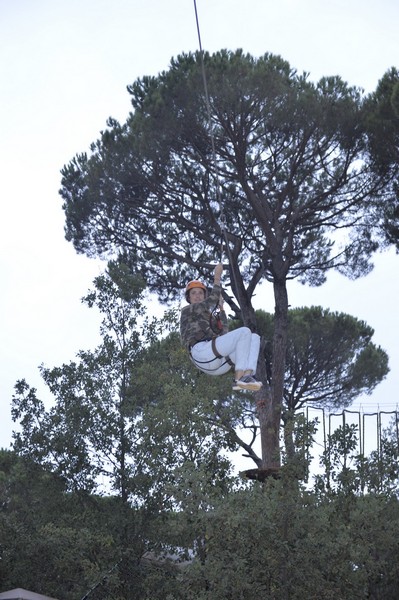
(197, 323)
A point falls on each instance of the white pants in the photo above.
(241, 346)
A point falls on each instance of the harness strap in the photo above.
(201, 363)
(218, 355)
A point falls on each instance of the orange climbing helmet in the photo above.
(193, 284)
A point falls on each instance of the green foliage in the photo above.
(121, 423)
(52, 542)
(195, 415)
(291, 159)
(382, 118)
(138, 416)
(330, 358)
(94, 424)
(382, 123)
(276, 541)
(347, 471)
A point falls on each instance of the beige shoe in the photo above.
(247, 382)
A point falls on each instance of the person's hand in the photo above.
(218, 273)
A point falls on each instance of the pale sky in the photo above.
(64, 68)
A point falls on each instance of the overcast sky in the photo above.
(64, 68)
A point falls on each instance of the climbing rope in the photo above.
(222, 219)
(212, 137)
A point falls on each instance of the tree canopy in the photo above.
(295, 186)
(292, 161)
(330, 359)
(383, 127)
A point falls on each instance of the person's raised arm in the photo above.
(218, 274)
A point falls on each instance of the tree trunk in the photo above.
(270, 400)
(288, 425)
(269, 446)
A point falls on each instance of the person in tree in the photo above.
(214, 349)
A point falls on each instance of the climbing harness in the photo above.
(218, 355)
(215, 325)
(200, 364)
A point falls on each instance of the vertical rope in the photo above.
(224, 242)
(364, 435)
(212, 137)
